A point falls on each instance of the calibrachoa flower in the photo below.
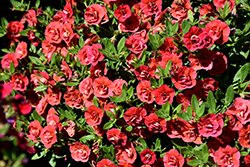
(21, 50)
(151, 7)
(221, 3)
(180, 11)
(93, 115)
(184, 78)
(96, 14)
(53, 95)
(219, 64)
(123, 12)
(85, 87)
(48, 136)
(155, 124)
(144, 92)
(211, 125)
(218, 30)
(116, 86)
(135, 44)
(105, 163)
(19, 82)
(101, 87)
(135, 116)
(80, 152)
(13, 29)
(53, 33)
(173, 158)
(164, 94)
(204, 86)
(148, 156)
(227, 156)
(244, 136)
(74, 99)
(34, 130)
(7, 59)
(116, 137)
(194, 39)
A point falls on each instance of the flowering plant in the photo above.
(127, 83)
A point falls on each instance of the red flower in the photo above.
(184, 78)
(48, 136)
(204, 86)
(211, 125)
(96, 14)
(85, 87)
(34, 130)
(74, 99)
(123, 13)
(19, 82)
(5, 90)
(31, 17)
(185, 98)
(190, 133)
(90, 54)
(218, 30)
(53, 95)
(155, 124)
(80, 152)
(247, 160)
(98, 70)
(241, 109)
(125, 164)
(164, 94)
(219, 64)
(173, 158)
(208, 10)
(93, 115)
(21, 50)
(105, 163)
(129, 153)
(41, 77)
(41, 106)
(180, 11)
(13, 29)
(244, 136)
(53, 33)
(168, 47)
(221, 3)
(67, 33)
(135, 116)
(148, 156)
(132, 24)
(176, 61)
(151, 7)
(136, 44)
(203, 61)
(143, 72)
(48, 49)
(227, 156)
(116, 137)
(116, 86)
(175, 128)
(7, 59)
(53, 119)
(194, 39)
(101, 87)
(21, 105)
(70, 128)
(66, 70)
(145, 92)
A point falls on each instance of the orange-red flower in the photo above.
(116, 137)
(122, 13)
(21, 50)
(155, 124)
(101, 87)
(135, 116)
(13, 29)
(148, 156)
(116, 86)
(131, 24)
(184, 78)
(7, 59)
(41, 106)
(180, 11)
(144, 92)
(34, 130)
(218, 30)
(164, 94)
(19, 82)
(96, 14)
(135, 44)
(80, 152)
(194, 39)
(53, 33)
(244, 136)
(173, 158)
(228, 156)
(74, 99)
(53, 95)
(48, 136)
(221, 3)
(93, 115)
(151, 7)
(85, 87)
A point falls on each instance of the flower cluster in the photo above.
(130, 83)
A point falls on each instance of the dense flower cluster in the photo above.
(129, 83)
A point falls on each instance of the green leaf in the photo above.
(37, 117)
(229, 95)
(195, 103)
(2, 32)
(72, 84)
(108, 125)
(41, 88)
(87, 138)
(242, 73)
(15, 3)
(37, 3)
(110, 114)
(95, 101)
(130, 92)
(168, 67)
(185, 25)
(175, 28)
(53, 58)
(35, 60)
(211, 101)
(205, 153)
(4, 77)
(24, 32)
(190, 16)
(12, 67)
(81, 42)
(154, 40)
(158, 144)
(4, 22)
(38, 155)
(194, 162)
(129, 128)
(67, 113)
(121, 44)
